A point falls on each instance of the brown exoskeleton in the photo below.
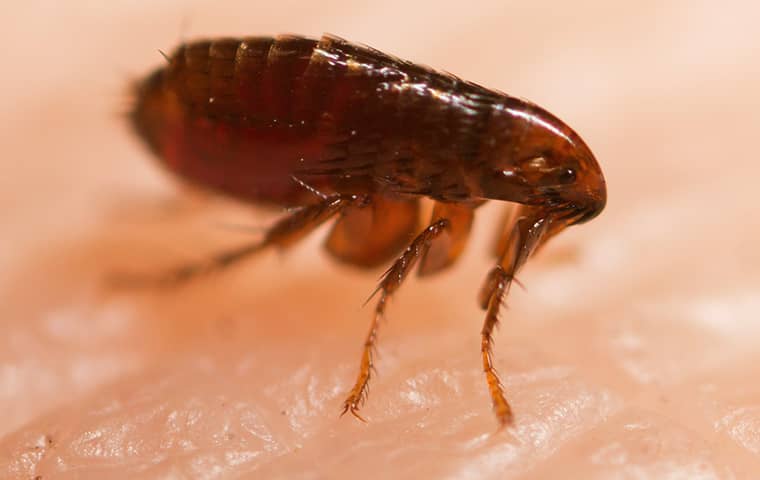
(350, 134)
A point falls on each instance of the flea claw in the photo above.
(504, 420)
(350, 406)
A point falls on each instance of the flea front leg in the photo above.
(526, 232)
(495, 289)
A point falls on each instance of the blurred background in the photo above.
(631, 354)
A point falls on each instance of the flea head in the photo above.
(536, 159)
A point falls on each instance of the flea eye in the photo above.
(567, 176)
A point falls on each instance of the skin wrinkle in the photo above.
(627, 355)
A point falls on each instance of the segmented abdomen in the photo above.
(252, 112)
(249, 80)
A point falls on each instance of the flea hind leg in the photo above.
(283, 233)
(390, 282)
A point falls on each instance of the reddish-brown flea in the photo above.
(346, 132)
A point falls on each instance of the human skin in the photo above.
(629, 354)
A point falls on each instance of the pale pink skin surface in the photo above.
(632, 354)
